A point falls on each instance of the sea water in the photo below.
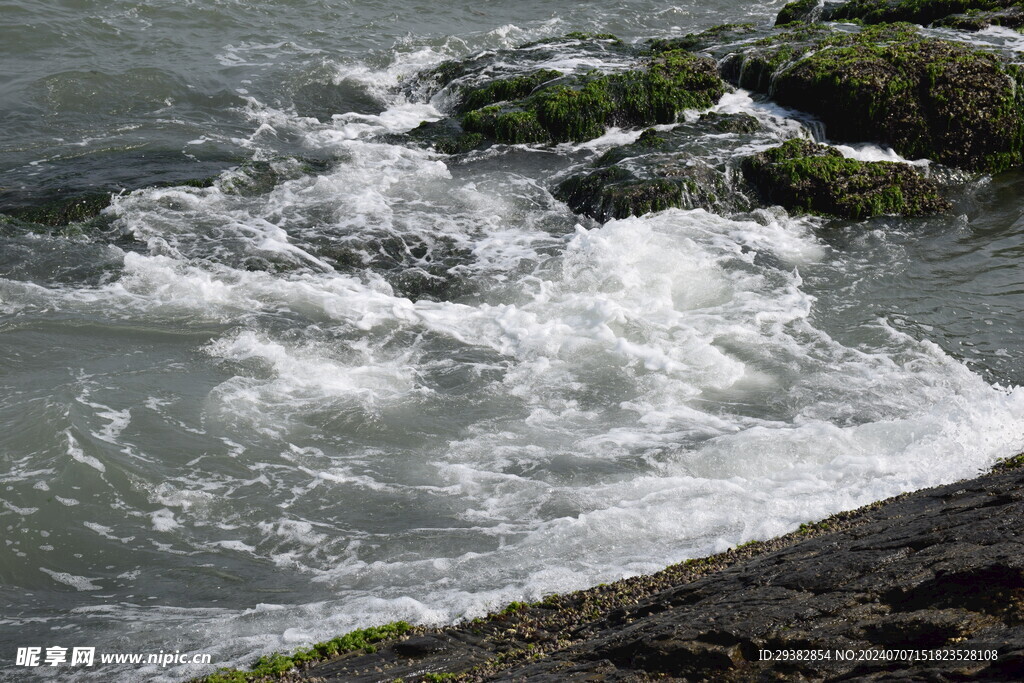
(216, 439)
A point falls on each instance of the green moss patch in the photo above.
(586, 107)
(974, 20)
(938, 99)
(807, 177)
(694, 42)
(915, 11)
(272, 666)
(798, 12)
(505, 89)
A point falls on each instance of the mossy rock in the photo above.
(730, 123)
(62, 211)
(506, 66)
(801, 11)
(505, 89)
(578, 36)
(807, 177)
(585, 107)
(922, 12)
(649, 141)
(1011, 17)
(931, 98)
(255, 177)
(446, 136)
(616, 192)
(755, 66)
(695, 42)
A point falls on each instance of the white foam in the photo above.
(163, 520)
(872, 152)
(79, 583)
(76, 453)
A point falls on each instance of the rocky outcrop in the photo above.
(801, 11)
(970, 15)
(938, 99)
(584, 107)
(925, 586)
(976, 20)
(806, 177)
(527, 104)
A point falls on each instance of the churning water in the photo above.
(226, 428)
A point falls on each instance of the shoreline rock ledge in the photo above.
(935, 576)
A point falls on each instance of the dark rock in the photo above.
(922, 12)
(420, 646)
(416, 267)
(662, 170)
(804, 176)
(1011, 17)
(926, 98)
(446, 136)
(730, 123)
(710, 619)
(61, 211)
(614, 192)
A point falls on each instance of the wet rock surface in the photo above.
(923, 12)
(939, 570)
(676, 168)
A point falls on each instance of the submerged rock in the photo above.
(658, 172)
(938, 99)
(804, 176)
(446, 136)
(417, 267)
(61, 211)
(615, 192)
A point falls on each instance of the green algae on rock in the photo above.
(977, 20)
(804, 176)
(273, 666)
(446, 136)
(800, 11)
(931, 98)
(504, 89)
(695, 42)
(614, 192)
(922, 12)
(583, 109)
